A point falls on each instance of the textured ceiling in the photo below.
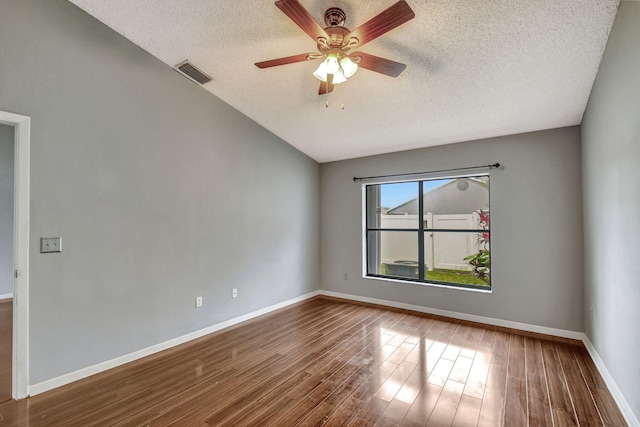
(475, 68)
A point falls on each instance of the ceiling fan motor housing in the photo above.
(336, 38)
(334, 17)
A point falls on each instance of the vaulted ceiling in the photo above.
(475, 68)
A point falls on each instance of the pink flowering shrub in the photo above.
(481, 260)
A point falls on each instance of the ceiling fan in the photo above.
(335, 42)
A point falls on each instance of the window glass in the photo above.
(442, 237)
(392, 200)
(394, 253)
(459, 258)
(456, 196)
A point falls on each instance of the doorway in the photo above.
(6, 259)
(18, 305)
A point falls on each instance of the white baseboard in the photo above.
(463, 316)
(6, 296)
(121, 360)
(628, 414)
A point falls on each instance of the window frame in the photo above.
(420, 230)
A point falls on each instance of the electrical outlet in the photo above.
(50, 244)
(198, 302)
(234, 293)
(346, 276)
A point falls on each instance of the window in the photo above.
(430, 231)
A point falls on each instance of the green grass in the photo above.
(456, 277)
(448, 276)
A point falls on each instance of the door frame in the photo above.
(21, 165)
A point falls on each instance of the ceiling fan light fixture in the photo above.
(339, 77)
(329, 66)
(321, 72)
(333, 65)
(341, 68)
(348, 66)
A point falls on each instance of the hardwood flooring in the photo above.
(335, 363)
(6, 345)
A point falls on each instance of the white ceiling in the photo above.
(475, 68)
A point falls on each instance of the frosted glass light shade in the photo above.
(332, 64)
(348, 66)
(339, 77)
(321, 72)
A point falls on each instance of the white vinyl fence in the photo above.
(442, 250)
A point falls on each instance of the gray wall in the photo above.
(536, 228)
(6, 209)
(611, 185)
(157, 188)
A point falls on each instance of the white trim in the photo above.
(22, 137)
(462, 316)
(363, 221)
(121, 360)
(6, 296)
(628, 414)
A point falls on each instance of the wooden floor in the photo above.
(330, 362)
(6, 331)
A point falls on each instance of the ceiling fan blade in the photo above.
(286, 60)
(377, 64)
(326, 87)
(385, 21)
(303, 19)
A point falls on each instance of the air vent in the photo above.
(192, 72)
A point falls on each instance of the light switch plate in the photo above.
(50, 244)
